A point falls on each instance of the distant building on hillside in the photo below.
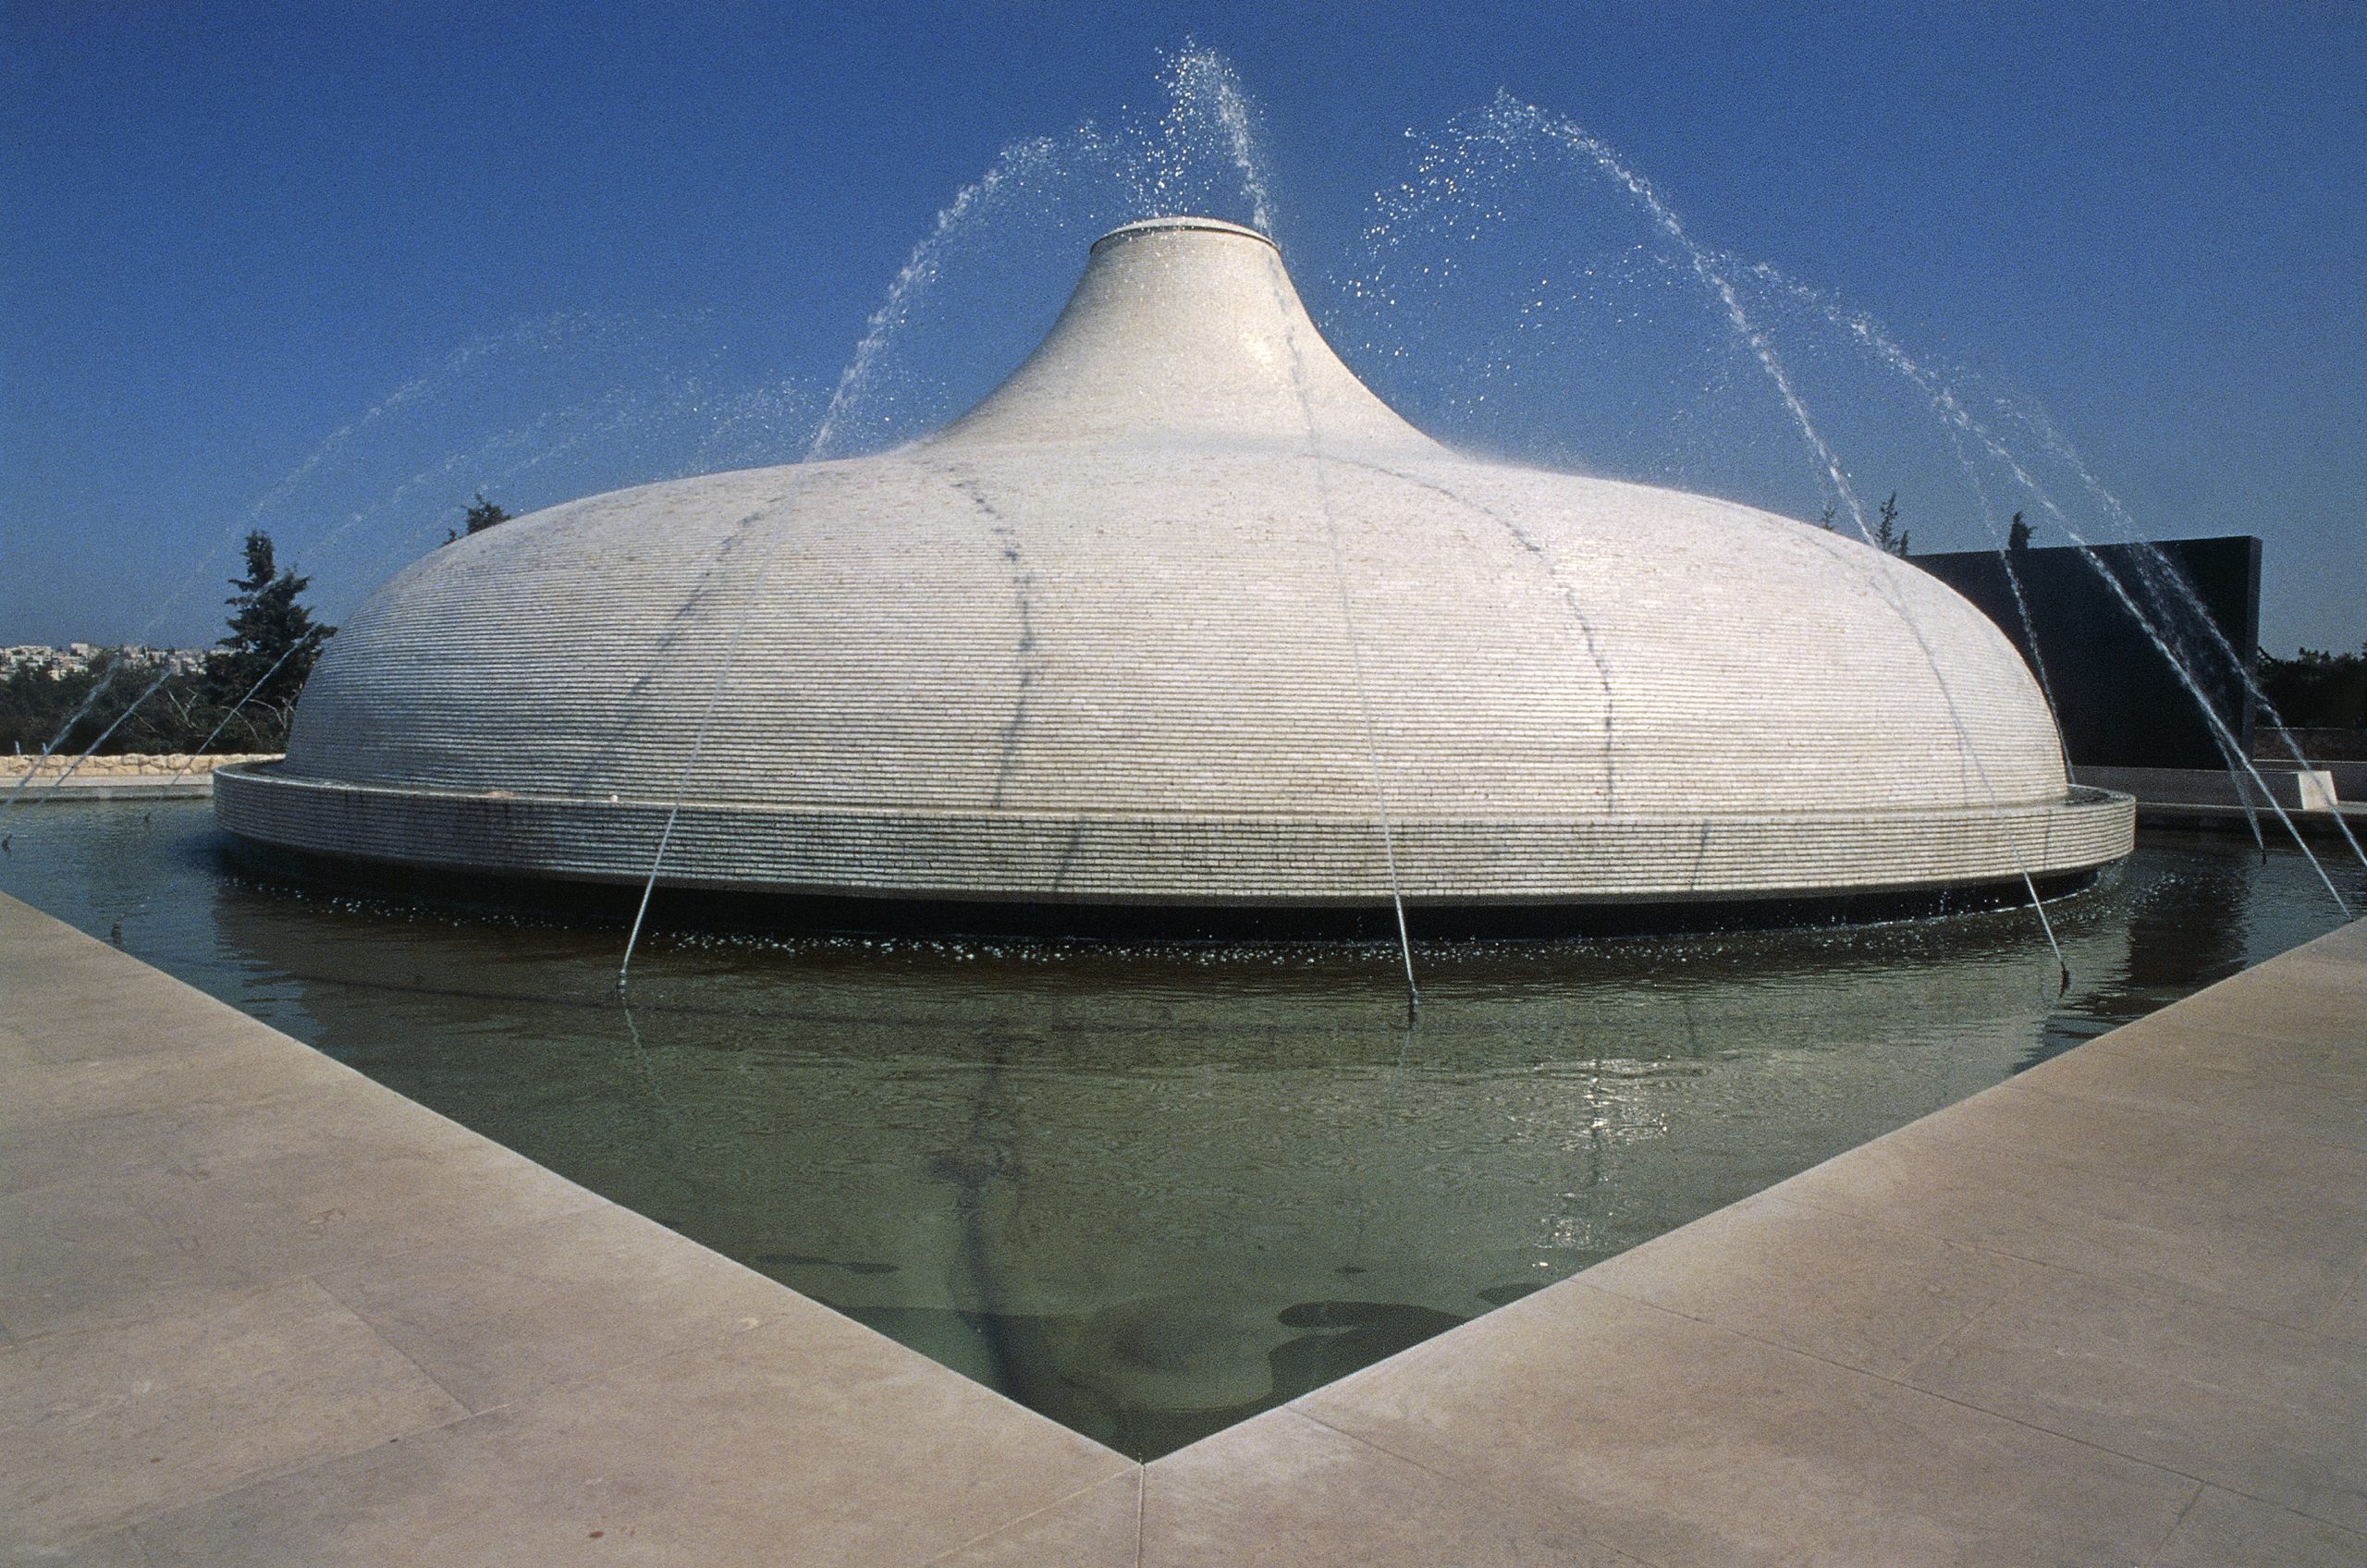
(76, 657)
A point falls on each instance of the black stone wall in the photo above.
(2120, 703)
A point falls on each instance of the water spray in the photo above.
(97, 691)
(1706, 267)
(1348, 623)
(60, 782)
(1868, 333)
(235, 708)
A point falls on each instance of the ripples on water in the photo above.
(1151, 1190)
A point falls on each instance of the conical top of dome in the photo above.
(1184, 329)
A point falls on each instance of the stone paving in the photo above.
(255, 1309)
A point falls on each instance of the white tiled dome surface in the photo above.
(1095, 642)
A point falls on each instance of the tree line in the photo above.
(2316, 689)
(240, 699)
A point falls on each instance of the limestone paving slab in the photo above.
(2223, 1530)
(2320, 1109)
(2275, 1046)
(14, 1050)
(498, 1315)
(1677, 1441)
(2285, 1254)
(101, 1427)
(1866, 1295)
(808, 1441)
(1098, 1527)
(103, 1003)
(2346, 1319)
(207, 1138)
(2257, 1408)
(2313, 987)
(235, 1069)
(232, 1199)
(2171, 1143)
(1284, 1489)
(2275, 1041)
(249, 1300)
(114, 1551)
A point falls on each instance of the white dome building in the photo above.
(1182, 615)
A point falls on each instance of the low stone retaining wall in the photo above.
(2294, 788)
(129, 776)
(130, 764)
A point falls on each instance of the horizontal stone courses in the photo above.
(276, 774)
(1180, 858)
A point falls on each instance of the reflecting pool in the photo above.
(1148, 1190)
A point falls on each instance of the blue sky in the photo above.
(602, 243)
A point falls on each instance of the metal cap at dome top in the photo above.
(1183, 222)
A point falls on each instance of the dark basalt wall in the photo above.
(2120, 703)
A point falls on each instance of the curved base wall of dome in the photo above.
(1007, 857)
(777, 913)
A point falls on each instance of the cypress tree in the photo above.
(273, 638)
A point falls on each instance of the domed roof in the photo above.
(1181, 613)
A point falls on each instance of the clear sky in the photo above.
(543, 248)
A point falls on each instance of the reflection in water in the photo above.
(1150, 1191)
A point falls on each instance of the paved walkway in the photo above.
(255, 1309)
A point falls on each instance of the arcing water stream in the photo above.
(1457, 190)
